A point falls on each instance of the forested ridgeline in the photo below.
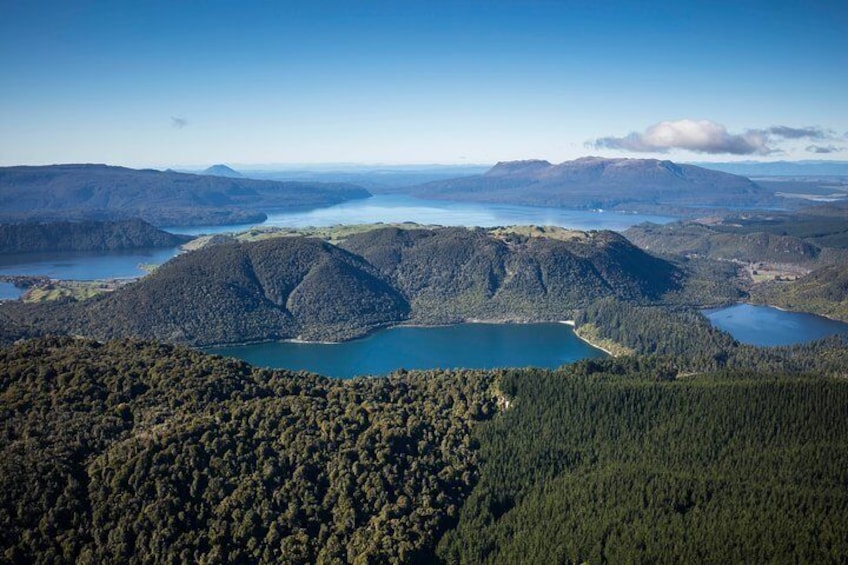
(84, 236)
(687, 336)
(603, 463)
(823, 291)
(133, 452)
(802, 239)
(303, 287)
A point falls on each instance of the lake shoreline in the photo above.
(406, 324)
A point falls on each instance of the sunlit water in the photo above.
(766, 326)
(402, 208)
(84, 265)
(473, 346)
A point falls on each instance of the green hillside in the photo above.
(289, 287)
(823, 291)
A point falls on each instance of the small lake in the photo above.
(8, 291)
(84, 265)
(403, 208)
(767, 326)
(473, 346)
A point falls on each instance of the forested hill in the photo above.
(301, 287)
(101, 192)
(814, 237)
(134, 452)
(594, 182)
(823, 291)
(84, 236)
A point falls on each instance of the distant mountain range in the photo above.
(594, 182)
(101, 192)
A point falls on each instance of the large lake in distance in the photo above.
(383, 208)
(767, 326)
(472, 346)
(402, 208)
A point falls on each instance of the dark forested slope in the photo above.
(454, 273)
(84, 236)
(607, 462)
(135, 452)
(273, 289)
(301, 287)
(101, 192)
(130, 452)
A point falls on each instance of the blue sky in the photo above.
(159, 84)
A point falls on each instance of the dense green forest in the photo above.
(135, 452)
(131, 452)
(809, 238)
(84, 236)
(289, 287)
(608, 462)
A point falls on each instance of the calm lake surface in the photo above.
(477, 346)
(764, 325)
(402, 208)
(383, 208)
(84, 265)
(8, 291)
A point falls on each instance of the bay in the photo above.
(398, 208)
(471, 346)
(85, 265)
(768, 326)
(8, 291)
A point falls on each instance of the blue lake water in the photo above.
(84, 265)
(478, 346)
(767, 326)
(402, 208)
(8, 291)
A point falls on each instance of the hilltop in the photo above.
(223, 171)
(297, 287)
(594, 182)
(102, 192)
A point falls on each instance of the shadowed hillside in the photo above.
(84, 236)
(101, 192)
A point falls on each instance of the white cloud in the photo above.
(705, 136)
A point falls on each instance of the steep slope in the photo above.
(302, 287)
(453, 274)
(84, 236)
(593, 182)
(132, 452)
(280, 288)
(102, 192)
